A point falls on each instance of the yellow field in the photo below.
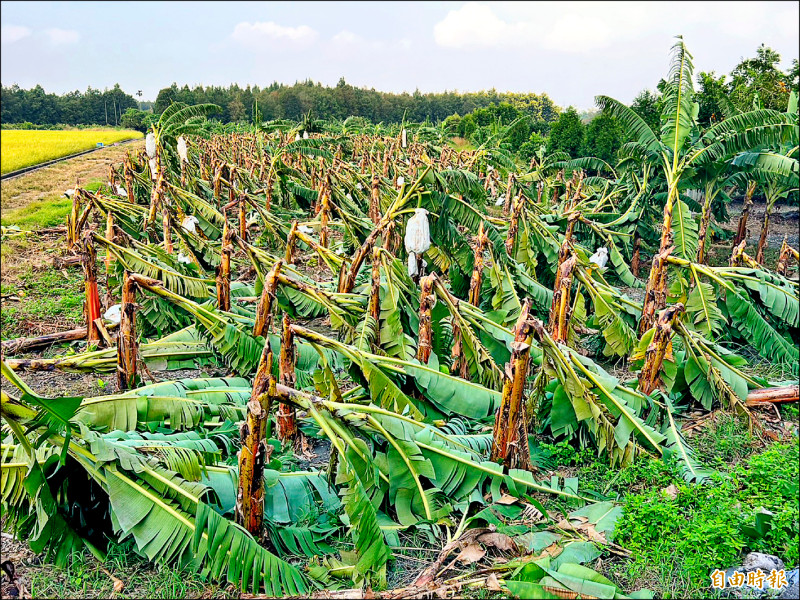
(24, 148)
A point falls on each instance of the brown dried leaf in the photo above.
(507, 499)
(671, 491)
(471, 553)
(499, 540)
(492, 584)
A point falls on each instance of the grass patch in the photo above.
(677, 542)
(47, 212)
(85, 578)
(45, 295)
(22, 149)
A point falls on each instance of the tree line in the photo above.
(92, 107)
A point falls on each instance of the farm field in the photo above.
(350, 360)
(25, 148)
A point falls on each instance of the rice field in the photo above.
(24, 148)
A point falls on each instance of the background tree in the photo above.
(603, 138)
(567, 134)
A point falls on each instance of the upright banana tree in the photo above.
(679, 154)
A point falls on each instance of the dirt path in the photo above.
(53, 180)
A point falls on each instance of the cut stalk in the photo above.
(127, 346)
(741, 230)
(224, 271)
(287, 428)
(92, 305)
(560, 311)
(426, 304)
(477, 271)
(649, 376)
(263, 321)
(510, 437)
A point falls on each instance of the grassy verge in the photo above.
(42, 295)
(23, 148)
(51, 211)
(677, 532)
(86, 577)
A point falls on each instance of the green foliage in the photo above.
(710, 526)
(567, 134)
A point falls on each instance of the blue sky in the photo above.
(572, 51)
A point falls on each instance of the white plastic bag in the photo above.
(152, 162)
(412, 264)
(150, 145)
(190, 223)
(418, 233)
(182, 258)
(114, 313)
(600, 258)
(121, 191)
(183, 150)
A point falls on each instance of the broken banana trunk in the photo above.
(649, 376)
(513, 226)
(92, 306)
(374, 201)
(224, 271)
(255, 450)
(787, 252)
(291, 243)
(375, 289)
(477, 271)
(778, 395)
(264, 308)
(510, 437)
(127, 346)
(560, 309)
(636, 261)
(741, 230)
(655, 295)
(426, 304)
(762, 240)
(287, 427)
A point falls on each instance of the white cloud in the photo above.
(584, 27)
(13, 33)
(262, 34)
(346, 37)
(62, 36)
(474, 24)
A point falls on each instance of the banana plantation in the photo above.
(397, 326)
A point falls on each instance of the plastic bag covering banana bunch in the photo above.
(600, 257)
(190, 223)
(404, 139)
(183, 151)
(150, 145)
(152, 162)
(417, 238)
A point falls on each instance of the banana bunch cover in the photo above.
(183, 151)
(150, 145)
(417, 239)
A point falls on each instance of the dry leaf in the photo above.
(499, 540)
(472, 553)
(671, 491)
(492, 584)
(552, 550)
(507, 499)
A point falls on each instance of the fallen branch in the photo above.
(777, 395)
